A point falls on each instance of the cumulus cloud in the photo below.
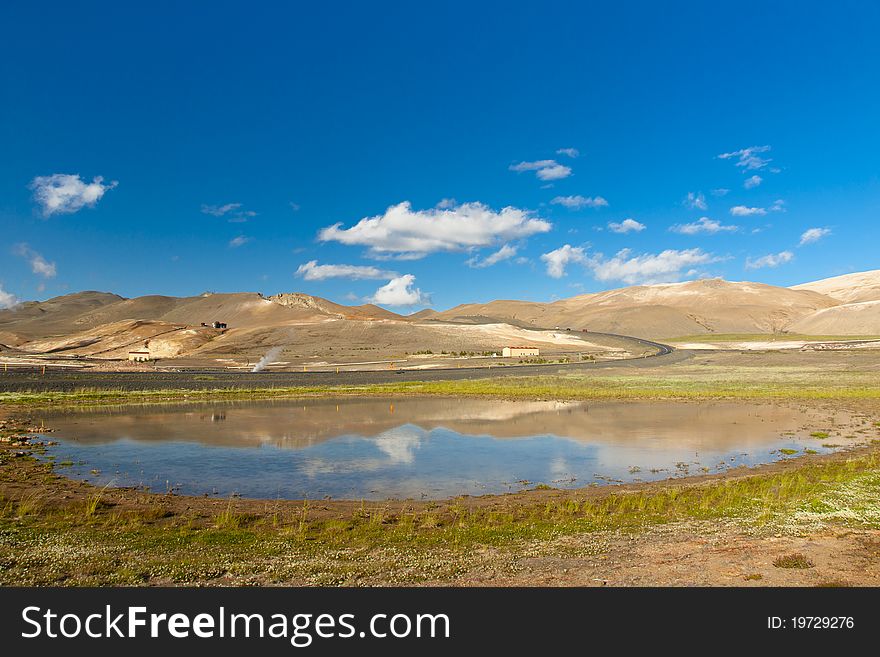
(568, 152)
(695, 200)
(504, 253)
(626, 226)
(399, 291)
(7, 300)
(63, 193)
(721, 191)
(647, 268)
(743, 211)
(39, 265)
(702, 225)
(558, 259)
(778, 206)
(749, 158)
(813, 235)
(241, 240)
(753, 181)
(312, 271)
(544, 169)
(770, 260)
(577, 202)
(406, 233)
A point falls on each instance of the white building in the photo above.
(515, 352)
(139, 355)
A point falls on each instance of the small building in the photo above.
(515, 352)
(139, 355)
(219, 325)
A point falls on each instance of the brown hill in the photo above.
(861, 318)
(693, 307)
(849, 288)
(87, 310)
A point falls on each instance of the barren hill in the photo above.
(849, 288)
(693, 307)
(103, 325)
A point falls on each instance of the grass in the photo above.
(58, 545)
(733, 384)
(795, 560)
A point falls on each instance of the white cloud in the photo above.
(695, 200)
(749, 158)
(446, 203)
(626, 226)
(39, 265)
(544, 169)
(648, 268)
(7, 300)
(770, 260)
(753, 181)
(577, 202)
(241, 240)
(219, 210)
(407, 234)
(504, 253)
(813, 235)
(63, 193)
(743, 211)
(558, 259)
(778, 206)
(570, 152)
(702, 225)
(312, 271)
(400, 292)
(236, 214)
(721, 191)
(294, 206)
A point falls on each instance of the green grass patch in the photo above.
(690, 384)
(100, 545)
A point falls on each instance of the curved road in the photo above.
(21, 379)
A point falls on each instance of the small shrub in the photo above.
(794, 560)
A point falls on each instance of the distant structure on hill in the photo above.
(139, 355)
(514, 352)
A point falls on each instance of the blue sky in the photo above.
(174, 148)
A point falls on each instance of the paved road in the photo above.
(68, 380)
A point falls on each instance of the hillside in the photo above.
(84, 311)
(849, 288)
(861, 318)
(104, 325)
(693, 307)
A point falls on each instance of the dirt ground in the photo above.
(840, 547)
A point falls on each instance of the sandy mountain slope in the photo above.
(849, 288)
(848, 319)
(693, 307)
(87, 310)
(33, 319)
(115, 340)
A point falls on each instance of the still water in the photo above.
(418, 448)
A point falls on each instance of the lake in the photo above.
(410, 448)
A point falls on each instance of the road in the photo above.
(21, 379)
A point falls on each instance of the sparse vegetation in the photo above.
(153, 542)
(795, 560)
